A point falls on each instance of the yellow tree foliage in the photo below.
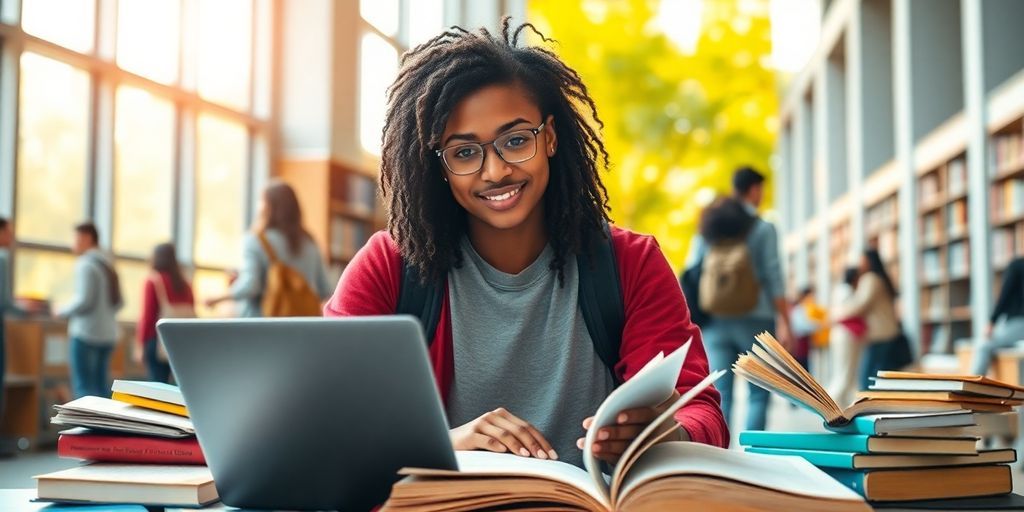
(676, 123)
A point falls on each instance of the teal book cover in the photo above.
(819, 458)
(860, 425)
(826, 441)
(851, 478)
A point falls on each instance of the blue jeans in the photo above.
(875, 358)
(159, 371)
(725, 340)
(90, 367)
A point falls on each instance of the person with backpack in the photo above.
(92, 315)
(165, 294)
(741, 285)
(282, 271)
(498, 229)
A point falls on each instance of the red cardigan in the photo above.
(145, 329)
(657, 319)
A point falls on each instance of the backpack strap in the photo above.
(600, 299)
(421, 300)
(267, 248)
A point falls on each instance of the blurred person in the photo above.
(1006, 325)
(279, 226)
(846, 343)
(92, 314)
(165, 294)
(874, 300)
(726, 221)
(807, 318)
(491, 170)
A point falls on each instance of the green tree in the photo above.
(676, 123)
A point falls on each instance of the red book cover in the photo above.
(93, 446)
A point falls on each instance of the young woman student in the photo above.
(490, 169)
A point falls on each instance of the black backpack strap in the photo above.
(421, 300)
(600, 299)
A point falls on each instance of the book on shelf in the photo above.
(102, 446)
(362, 193)
(929, 189)
(771, 367)
(956, 177)
(858, 443)
(650, 474)
(347, 236)
(155, 485)
(103, 413)
(931, 227)
(956, 218)
(856, 460)
(931, 268)
(1009, 151)
(1007, 199)
(920, 484)
(959, 259)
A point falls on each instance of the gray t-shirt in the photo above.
(520, 342)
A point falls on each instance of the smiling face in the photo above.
(501, 195)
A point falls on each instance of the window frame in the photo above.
(104, 78)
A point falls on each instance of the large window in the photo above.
(53, 140)
(139, 115)
(143, 170)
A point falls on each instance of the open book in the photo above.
(770, 366)
(650, 475)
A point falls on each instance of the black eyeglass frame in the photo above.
(482, 145)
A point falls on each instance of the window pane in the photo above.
(44, 275)
(225, 51)
(382, 14)
(147, 38)
(210, 283)
(378, 65)
(220, 191)
(426, 19)
(52, 142)
(143, 170)
(69, 23)
(132, 275)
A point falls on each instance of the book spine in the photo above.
(859, 425)
(147, 450)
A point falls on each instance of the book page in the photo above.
(104, 407)
(664, 424)
(792, 475)
(480, 463)
(647, 388)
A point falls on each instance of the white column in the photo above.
(801, 172)
(822, 177)
(9, 82)
(902, 87)
(977, 161)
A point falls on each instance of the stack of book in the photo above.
(140, 447)
(911, 437)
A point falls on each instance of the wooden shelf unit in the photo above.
(340, 208)
(944, 255)
(37, 377)
(1006, 200)
(881, 229)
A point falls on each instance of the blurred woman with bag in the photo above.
(165, 294)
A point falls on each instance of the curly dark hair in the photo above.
(424, 218)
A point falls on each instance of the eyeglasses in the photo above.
(513, 147)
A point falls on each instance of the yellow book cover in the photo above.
(156, 405)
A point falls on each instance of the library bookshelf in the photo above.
(1006, 203)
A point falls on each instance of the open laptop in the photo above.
(309, 413)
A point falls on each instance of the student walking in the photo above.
(874, 300)
(278, 243)
(92, 322)
(165, 294)
(490, 168)
(1006, 326)
(741, 285)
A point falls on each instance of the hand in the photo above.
(988, 331)
(613, 440)
(785, 336)
(212, 302)
(501, 431)
(137, 355)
